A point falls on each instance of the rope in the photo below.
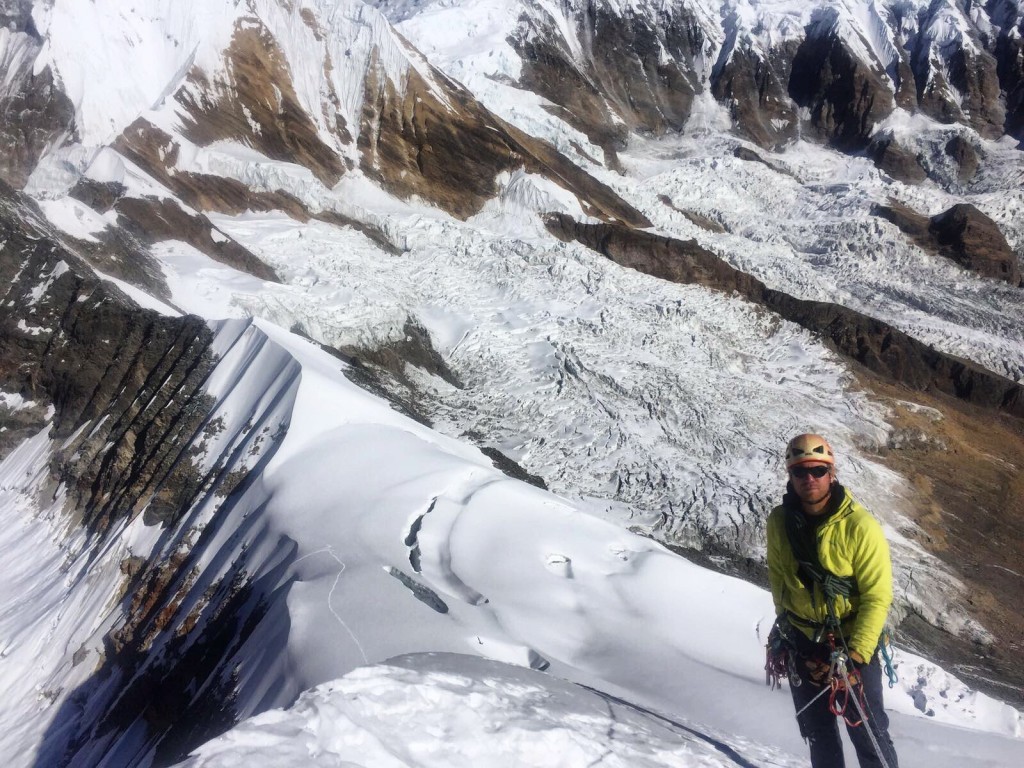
(865, 720)
(330, 551)
(807, 706)
(839, 706)
(887, 665)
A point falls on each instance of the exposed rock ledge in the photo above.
(873, 343)
(963, 234)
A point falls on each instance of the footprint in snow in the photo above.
(560, 565)
(620, 551)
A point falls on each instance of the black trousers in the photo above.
(821, 728)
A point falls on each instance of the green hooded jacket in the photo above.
(850, 544)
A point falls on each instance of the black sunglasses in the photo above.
(801, 472)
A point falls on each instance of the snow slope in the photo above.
(646, 406)
(382, 538)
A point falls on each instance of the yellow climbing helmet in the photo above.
(805, 448)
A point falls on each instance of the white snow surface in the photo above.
(645, 406)
(510, 573)
(153, 45)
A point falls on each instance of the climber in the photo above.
(831, 580)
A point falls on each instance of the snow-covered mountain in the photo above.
(335, 332)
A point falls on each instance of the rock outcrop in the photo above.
(451, 153)
(898, 161)
(957, 78)
(69, 339)
(619, 73)
(754, 88)
(34, 111)
(123, 390)
(430, 140)
(847, 97)
(963, 234)
(152, 220)
(1009, 54)
(966, 157)
(257, 90)
(973, 240)
(878, 346)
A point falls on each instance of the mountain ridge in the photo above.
(387, 190)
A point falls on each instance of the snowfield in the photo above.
(425, 610)
(395, 540)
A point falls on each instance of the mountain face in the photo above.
(621, 249)
(37, 111)
(837, 71)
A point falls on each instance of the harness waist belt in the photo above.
(801, 621)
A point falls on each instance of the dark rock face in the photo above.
(100, 196)
(966, 157)
(1009, 55)
(951, 163)
(881, 348)
(973, 240)
(126, 386)
(260, 91)
(956, 83)
(415, 349)
(551, 72)
(152, 220)
(415, 146)
(977, 77)
(452, 153)
(16, 15)
(910, 222)
(97, 357)
(623, 81)
(156, 151)
(755, 90)
(34, 116)
(144, 221)
(845, 95)
(896, 160)
(963, 234)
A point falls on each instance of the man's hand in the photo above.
(818, 671)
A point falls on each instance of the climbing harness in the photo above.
(843, 688)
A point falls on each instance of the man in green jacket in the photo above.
(831, 580)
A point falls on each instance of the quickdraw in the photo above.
(843, 685)
(842, 688)
(776, 666)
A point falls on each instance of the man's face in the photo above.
(808, 487)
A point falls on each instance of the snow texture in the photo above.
(648, 408)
